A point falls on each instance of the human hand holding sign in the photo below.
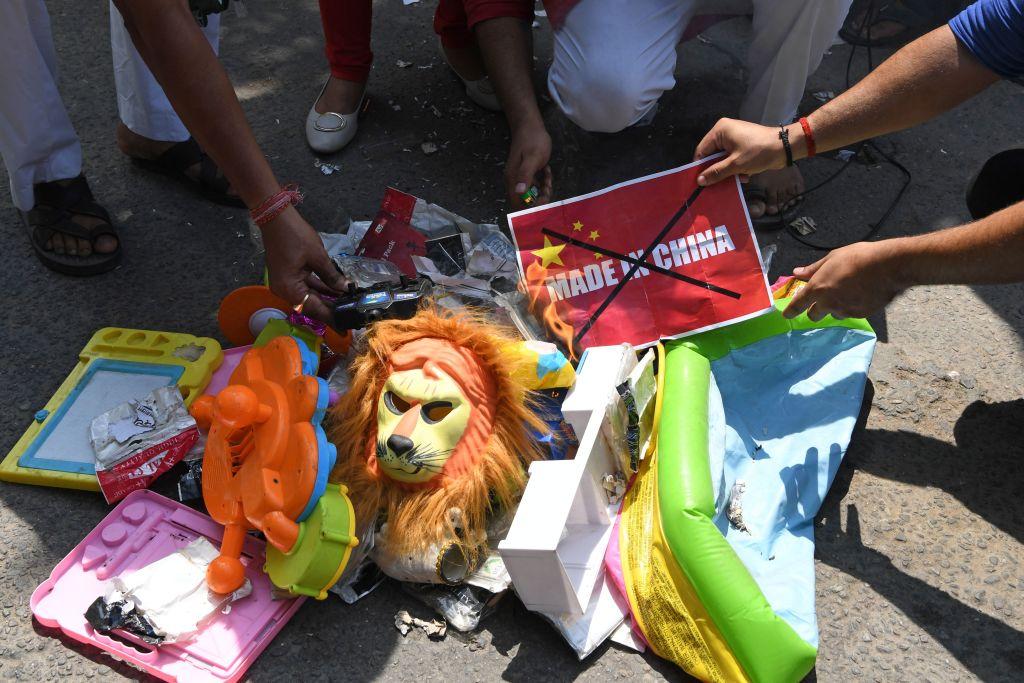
(749, 150)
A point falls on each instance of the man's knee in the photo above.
(601, 100)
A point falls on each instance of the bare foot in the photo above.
(61, 243)
(340, 96)
(466, 61)
(781, 189)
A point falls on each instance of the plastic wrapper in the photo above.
(338, 244)
(141, 439)
(166, 601)
(366, 272)
(628, 429)
(463, 607)
(491, 575)
(190, 484)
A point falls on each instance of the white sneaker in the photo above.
(481, 92)
(329, 132)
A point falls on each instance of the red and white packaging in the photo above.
(139, 440)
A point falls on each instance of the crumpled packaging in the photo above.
(166, 601)
(629, 427)
(138, 441)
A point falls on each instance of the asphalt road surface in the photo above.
(919, 556)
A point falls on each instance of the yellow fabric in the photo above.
(662, 600)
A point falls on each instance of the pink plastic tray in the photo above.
(219, 379)
(143, 528)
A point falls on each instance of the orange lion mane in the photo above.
(478, 484)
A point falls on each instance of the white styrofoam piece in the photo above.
(605, 616)
(554, 550)
(600, 370)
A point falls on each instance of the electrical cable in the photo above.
(867, 20)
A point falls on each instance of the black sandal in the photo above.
(176, 162)
(917, 17)
(57, 203)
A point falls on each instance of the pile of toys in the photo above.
(662, 497)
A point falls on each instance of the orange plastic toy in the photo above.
(267, 459)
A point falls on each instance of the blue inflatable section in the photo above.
(781, 413)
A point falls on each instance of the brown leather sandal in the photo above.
(57, 204)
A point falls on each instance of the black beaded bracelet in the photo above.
(784, 136)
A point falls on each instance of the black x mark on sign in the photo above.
(640, 262)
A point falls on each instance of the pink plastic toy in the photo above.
(146, 527)
(220, 378)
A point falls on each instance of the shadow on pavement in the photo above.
(985, 472)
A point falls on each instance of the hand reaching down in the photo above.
(527, 165)
(298, 264)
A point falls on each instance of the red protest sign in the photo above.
(654, 258)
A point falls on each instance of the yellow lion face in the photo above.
(420, 420)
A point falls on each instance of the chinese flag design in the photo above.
(653, 258)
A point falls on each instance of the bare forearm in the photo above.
(927, 77)
(505, 47)
(989, 251)
(174, 49)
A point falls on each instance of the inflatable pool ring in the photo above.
(691, 595)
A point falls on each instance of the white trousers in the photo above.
(614, 59)
(37, 141)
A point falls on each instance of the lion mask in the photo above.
(434, 422)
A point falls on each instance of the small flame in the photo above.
(546, 310)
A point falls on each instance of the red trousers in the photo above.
(347, 27)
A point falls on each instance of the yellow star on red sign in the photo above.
(598, 255)
(594, 234)
(549, 254)
(577, 226)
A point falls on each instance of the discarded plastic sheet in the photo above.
(143, 528)
(603, 616)
(170, 595)
(462, 258)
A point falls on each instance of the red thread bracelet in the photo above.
(808, 136)
(274, 205)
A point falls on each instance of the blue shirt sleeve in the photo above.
(993, 30)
